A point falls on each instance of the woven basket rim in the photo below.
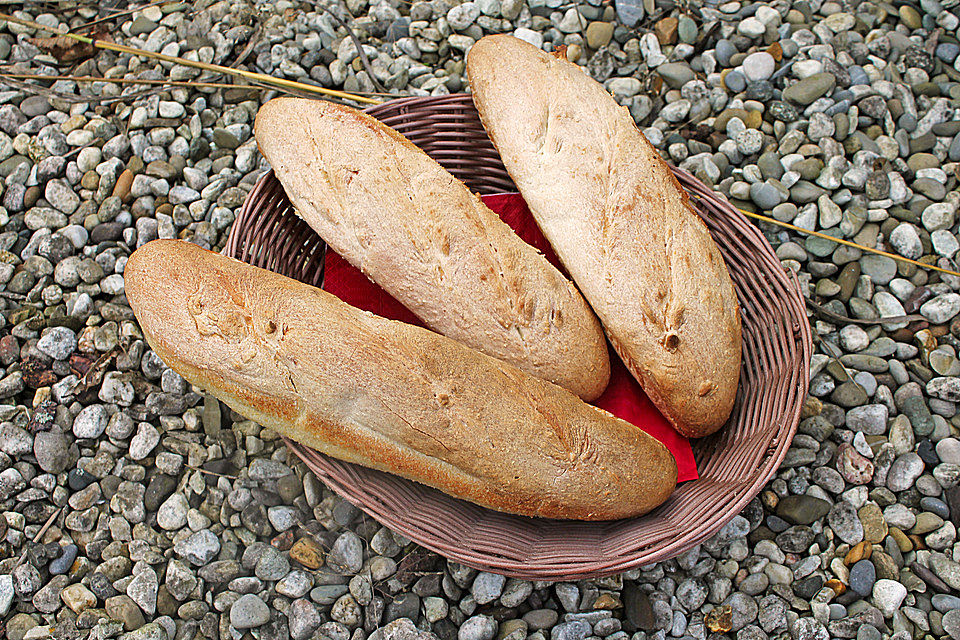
(267, 233)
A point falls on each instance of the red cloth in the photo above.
(623, 397)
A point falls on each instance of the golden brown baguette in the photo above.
(621, 225)
(389, 395)
(415, 230)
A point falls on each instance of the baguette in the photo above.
(389, 395)
(620, 223)
(422, 236)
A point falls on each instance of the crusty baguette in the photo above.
(419, 233)
(621, 225)
(389, 395)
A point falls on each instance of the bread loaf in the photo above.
(389, 395)
(620, 223)
(422, 236)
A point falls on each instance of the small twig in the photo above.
(47, 525)
(93, 376)
(50, 93)
(836, 317)
(146, 81)
(356, 42)
(193, 84)
(817, 234)
(834, 354)
(43, 530)
(210, 473)
(248, 49)
(216, 68)
(118, 14)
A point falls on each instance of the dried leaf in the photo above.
(36, 374)
(720, 619)
(93, 376)
(838, 587)
(68, 50)
(417, 563)
(654, 84)
(776, 51)
(43, 416)
(64, 49)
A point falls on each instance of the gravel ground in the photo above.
(171, 517)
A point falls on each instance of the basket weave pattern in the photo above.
(734, 464)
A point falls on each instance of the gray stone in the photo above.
(143, 590)
(945, 569)
(61, 564)
(172, 514)
(945, 388)
(487, 587)
(51, 450)
(745, 610)
(572, 630)
(845, 522)
(91, 422)
(675, 74)
(881, 269)
(263, 469)
(248, 612)
(630, 12)
(463, 15)
(773, 613)
(809, 629)
(863, 575)
(765, 195)
(802, 509)
(58, 342)
(624, 87)
(951, 623)
(820, 126)
(145, 440)
(26, 580)
(182, 194)
(272, 565)
(809, 89)
(540, 619)
(59, 194)
(6, 594)
(948, 450)
(304, 619)
(906, 241)
(295, 584)
(888, 306)
(904, 472)
(478, 627)
(871, 419)
(676, 111)
(796, 539)
(346, 555)
(199, 548)
(888, 595)
(759, 66)
(941, 309)
(735, 81)
(749, 142)
(180, 581)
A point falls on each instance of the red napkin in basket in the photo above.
(623, 397)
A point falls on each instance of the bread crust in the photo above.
(621, 225)
(389, 395)
(422, 236)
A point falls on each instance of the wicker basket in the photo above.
(734, 464)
